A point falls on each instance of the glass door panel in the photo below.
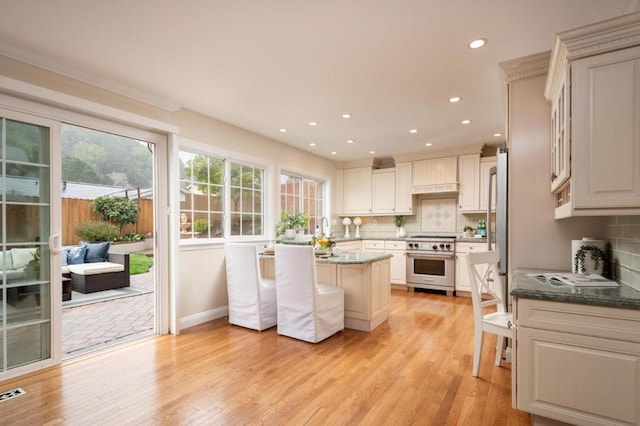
(25, 187)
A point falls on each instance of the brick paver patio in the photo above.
(95, 326)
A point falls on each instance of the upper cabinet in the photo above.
(404, 198)
(357, 190)
(594, 88)
(469, 183)
(383, 185)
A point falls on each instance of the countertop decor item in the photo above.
(399, 222)
(357, 222)
(346, 222)
(290, 223)
(588, 256)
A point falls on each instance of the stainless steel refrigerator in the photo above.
(499, 174)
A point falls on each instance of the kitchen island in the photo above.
(364, 277)
(577, 351)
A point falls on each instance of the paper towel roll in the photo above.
(589, 263)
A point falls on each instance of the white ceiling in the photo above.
(265, 65)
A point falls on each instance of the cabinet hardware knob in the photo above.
(553, 177)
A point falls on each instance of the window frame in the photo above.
(228, 157)
(323, 180)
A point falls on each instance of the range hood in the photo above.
(435, 188)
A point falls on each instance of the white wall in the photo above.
(201, 280)
(537, 240)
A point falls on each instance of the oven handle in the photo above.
(430, 256)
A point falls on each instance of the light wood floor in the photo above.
(414, 369)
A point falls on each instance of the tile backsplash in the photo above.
(623, 235)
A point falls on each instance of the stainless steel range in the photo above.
(431, 263)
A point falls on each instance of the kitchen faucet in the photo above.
(324, 230)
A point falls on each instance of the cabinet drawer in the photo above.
(587, 320)
(395, 245)
(470, 247)
(373, 245)
(350, 246)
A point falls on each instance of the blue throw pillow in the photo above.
(64, 256)
(76, 255)
(96, 252)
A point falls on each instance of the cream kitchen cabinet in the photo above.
(398, 263)
(338, 192)
(383, 186)
(398, 268)
(576, 363)
(353, 246)
(486, 163)
(462, 279)
(469, 183)
(404, 197)
(435, 175)
(357, 191)
(593, 86)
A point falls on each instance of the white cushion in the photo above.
(65, 269)
(96, 268)
(21, 256)
(6, 260)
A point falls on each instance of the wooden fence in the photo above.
(76, 211)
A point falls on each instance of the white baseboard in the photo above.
(202, 317)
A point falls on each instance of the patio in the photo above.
(102, 319)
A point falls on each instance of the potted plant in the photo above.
(468, 231)
(594, 264)
(399, 222)
(290, 223)
(32, 270)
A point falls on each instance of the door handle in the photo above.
(54, 243)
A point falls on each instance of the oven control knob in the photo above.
(442, 246)
(448, 246)
(435, 247)
(410, 245)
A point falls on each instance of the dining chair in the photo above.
(306, 310)
(485, 282)
(252, 299)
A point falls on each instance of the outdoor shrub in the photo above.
(118, 210)
(97, 231)
(201, 225)
(131, 236)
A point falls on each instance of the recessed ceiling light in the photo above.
(466, 121)
(333, 153)
(346, 115)
(312, 144)
(350, 141)
(478, 43)
(428, 144)
(497, 135)
(313, 123)
(372, 152)
(413, 131)
(283, 130)
(454, 99)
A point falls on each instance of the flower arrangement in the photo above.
(322, 243)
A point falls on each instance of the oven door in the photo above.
(431, 271)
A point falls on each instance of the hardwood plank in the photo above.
(414, 369)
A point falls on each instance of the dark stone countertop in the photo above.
(624, 296)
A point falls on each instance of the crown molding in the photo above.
(93, 79)
(439, 153)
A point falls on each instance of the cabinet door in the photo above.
(357, 190)
(468, 183)
(606, 136)
(435, 172)
(338, 190)
(577, 379)
(404, 199)
(462, 279)
(383, 184)
(485, 166)
(561, 136)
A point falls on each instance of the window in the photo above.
(299, 194)
(205, 199)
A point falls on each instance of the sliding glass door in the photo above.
(26, 308)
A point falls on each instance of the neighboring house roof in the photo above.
(89, 191)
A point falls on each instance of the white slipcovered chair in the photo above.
(485, 279)
(252, 299)
(306, 310)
